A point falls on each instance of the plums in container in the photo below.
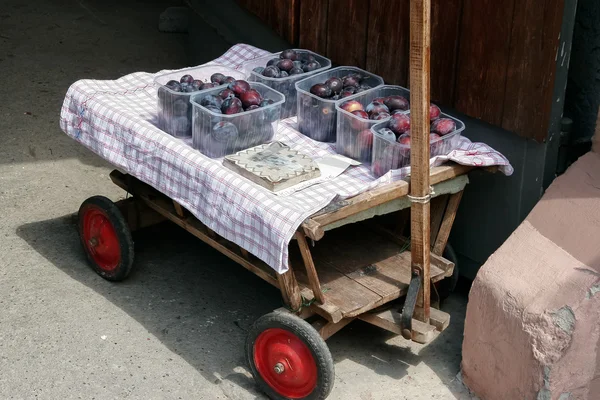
(226, 94)
(218, 78)
(232, 106)
(271, 72)
(377, 108)
(380, 116)
(404, 140)
(187, 79)
(283, 74)
(211, 100)
(238, 87)
(335, 84)
(296, 71)
(396, 102)
(229, 79)
(174, 86)
(197, 84)
(399, 123)
(311, 66)
(285, 65)
(321, 90)
(251, 98)
(350, 80)
(443, 126)
(207, 85)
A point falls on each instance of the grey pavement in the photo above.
(176, 328)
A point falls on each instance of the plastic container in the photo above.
(354, 137)
(388, 155)
(317, 116)
(217, 135)
(286, 86)
(174, 108)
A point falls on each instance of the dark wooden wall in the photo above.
(492, 60)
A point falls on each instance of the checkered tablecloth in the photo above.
(117, 120)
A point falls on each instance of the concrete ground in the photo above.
(176, 328)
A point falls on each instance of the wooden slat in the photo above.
(420, 42)
(387, 40)
(290, 291)
(313, 25)
(390, 321)
(438, 206)
(347, 31)
(164, 206)
(447, 223)
(327, 329)
(313, 227)
(178, 209)
(439, 319)
(483, 58)
(311, 272)
(534, 42)
(445, 25)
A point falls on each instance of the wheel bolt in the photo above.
(93, 242)
(279, 368)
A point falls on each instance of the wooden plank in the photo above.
(387, 40)
(313, 25)
(311, 272)
(347, 32)
(483, 58)
(534, 42)
(290, 291)
(420, 42)
(445, 25)
(164, 206)
(438, 206)
(327, 329)
(390, 321)
(245, 253)
(439, 319)
(313, 226)
(329, 311)
(447, 223)
(178, 209)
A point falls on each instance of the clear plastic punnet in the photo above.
(285, 85)
(316, 115)
(217, 135)
(354, 138)
(174, 108)
(389, 154)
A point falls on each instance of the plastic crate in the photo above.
(317, 116)
(174, 108)
(217, 135)
(353, 138)
(286, 86)
(389, 155)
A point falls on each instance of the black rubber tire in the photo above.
(446, 286)
(123, 235)
(310, 337)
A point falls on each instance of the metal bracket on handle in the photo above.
(410, 303)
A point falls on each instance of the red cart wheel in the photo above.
(288, 358)
(106, 238)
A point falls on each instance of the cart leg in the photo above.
(289, 289)
(311, 272)
(447, 222)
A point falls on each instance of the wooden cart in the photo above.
(357, 266)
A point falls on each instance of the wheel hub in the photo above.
(285, 363)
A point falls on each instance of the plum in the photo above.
(232, 106)
(397, 112)
(259, 70)
(211, 100)
(297, 64)
(252, 107)
(289, 54)
(188, 88)
(197, 84)
(335, 97)
(404, 140)
(311, 66)
(387, 134)
(335, 84)
(285, 65)
(396, 102)
(376, 108)
(434, 112)
(296, 71)
(356, 76)
(351, 81)
(346, 93)
(214, 109)
(271, 71)
(207, 85)
(224, 132)
(186, 79)
(229, 79)
(238, 87)
(272, 61)
(362, 87)
(226, 94)
(218, 78)
(174, 86)
(306, 57)
(443, 126)
(399, 123)
(361, 114)
(379, 100)
(283, 74)
(266, 102)
(351, 105)
(321, 90)
(251, 98)
(380, 116)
